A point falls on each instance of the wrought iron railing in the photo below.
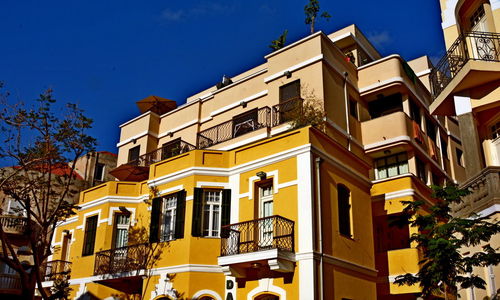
(273, 232)
(13, 224)
(56, 269)
(287, 111)
(236, 127)
(166, 151)
(123, 259)
(470, 46)
(10, 282)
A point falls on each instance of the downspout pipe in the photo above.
(320, 225)
(346, 99)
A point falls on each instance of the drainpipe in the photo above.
(320, 225)
(346, 98)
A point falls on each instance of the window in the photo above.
(353, 108)
(421, 172)
(385, 105)
(391, 166)
(99, 172)
(171, 149)
(211, 210)
(344, 206)
(431, 129)
(121, 230)
(444, 148)
(460, 157)
(266, 210)
(415, 113)
(167, 217)
(89, 238)
(245, 122)
(477, 16)
(133, 153)
(495, 130)
(290, 91)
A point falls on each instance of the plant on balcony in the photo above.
(310, 113)
(279, 42)
(443, 240)
(42, 143)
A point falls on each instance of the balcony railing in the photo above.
(13, 224)
(10, 282)
(238, 126)
(485, 191)
(166, 151)
(476, 45)
(273, 232)
(56, 269)
(123, 259)
(287, 111)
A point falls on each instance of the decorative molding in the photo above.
(266, 285)
(294, 68)
(238, 103)
(137, 136)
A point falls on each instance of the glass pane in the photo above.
(392, 170)
(268, 209)
(381, 174)
(215, 224)
(403, 168)
(206, 221)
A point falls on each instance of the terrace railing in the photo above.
(56, 268)
(166, 151)
(13, 224)
(274, 232)
(474, 45)
(287, 111)
(123, 259)
(10, 282)
(238, 126)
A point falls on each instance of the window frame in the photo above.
(119, 227)
(344, 208)
(209, 232)
(387, 165)
(130, 153)
(282, 88)
(164, 208)
(90, 235)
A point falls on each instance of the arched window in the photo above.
(344, 205)
(267, 297)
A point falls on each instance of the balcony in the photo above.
(10, 284)
(120, 260)
(287, 111)
(238, 126)
(56, 269)
(265, 243)
(468, 62)
(485, 192)
(13, 224)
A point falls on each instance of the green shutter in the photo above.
(197, 211)
(154, 227)
(226, 207)
(180, 214)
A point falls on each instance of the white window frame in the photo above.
(209, 205)
(168, 206)
(266, 193)
(124, 227)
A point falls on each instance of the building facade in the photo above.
(226, 197)
(466, 86)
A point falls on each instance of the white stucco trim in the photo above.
(171, 190)
(224, 185)
(178, 128)
(448, 15)
(238, 103)
(462, 105)
(112, 199)
(293, 68)
(138, 117)
(136, 137)
(234, 185)
(251, 182)
(266, 285)
(206, 292)
(114, 209)
(88, 214)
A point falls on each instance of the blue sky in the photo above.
(107, 54)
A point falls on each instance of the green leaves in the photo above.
(442, 239)
(311, 11)
(279, 42)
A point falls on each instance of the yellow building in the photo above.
(221, 198)
(466, 85)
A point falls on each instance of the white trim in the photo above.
(137, 136)
(86, 215)
(399, 194)
(423, 73)
(68, 221)
(171, 190)
(266, 285)
(255, 256)
(206, 292)
(448, 14)
(234, 184)
(112, 199)
(347, 34)
(489, 211)
(200, 184)
(114, 209)
(204, 120)
(139, 117)
(182, 106)
(238, 103)
(281, 129)
(287, 184)
(311, 36)
(236, 82)
(178, 128)
(293, 68)
(253, 179)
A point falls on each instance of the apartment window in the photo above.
(431, 129)
(385, 105)
(415, 113)
(391, 166)
(444, 148)
(353, 108)
(167, 217)
(290, 91)
(211, 211)
(245, 122)
(495, 130)
(133, 153)
(89, 237)
(171, 149)
(122, 222)
(344, 208)
(421, 172)
(460, 157)
(477, 16)
(99, 172)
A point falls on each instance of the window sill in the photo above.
(349, 237)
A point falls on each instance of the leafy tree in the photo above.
(442, 239)
(279, 42)
(42, 143)
(312, 10)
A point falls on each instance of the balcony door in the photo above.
(265, 211)
(65, 247)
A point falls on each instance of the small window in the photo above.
(431, 129)
(353, 108)
(460, 157)
(415, 112)
(391, 166)
(99, 172)
(133, 153)
(290, 91)
(167, 231)
(344, 208)
(212, 200)
(444, 148)
(421, 172)
(89, 237)
(121, 230)
(167, 217)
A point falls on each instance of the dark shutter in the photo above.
(290, 91)
(226, 207)
(180, 215)
(154, 227)
(197, 211)
(89, 238)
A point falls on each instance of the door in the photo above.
(265, 213)
(483, 46)
(120, 241)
